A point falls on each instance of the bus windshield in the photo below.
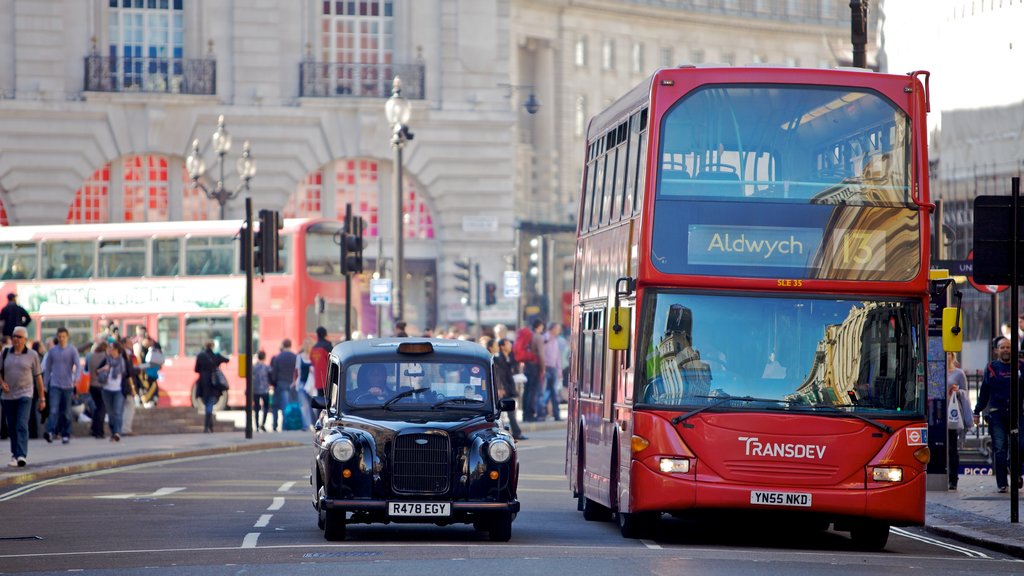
(823, 145)
(856, 354)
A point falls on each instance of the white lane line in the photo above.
(651, 545)
(156, 494)
(278, 503)
(165, 492)
(286, 486)
(263, 521)
(965, 551)
(250, 540)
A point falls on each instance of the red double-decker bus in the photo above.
(750, 300)
(183, 282)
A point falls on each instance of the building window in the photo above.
(90, 203)
(362, 35)
(580, 52)
(729, 59)
(666, 57)
(697, 56)
(580, 116)
(146, 43)
(145, 188)
(638, 58)
(608, 54)
(305, 201)
(357, 182)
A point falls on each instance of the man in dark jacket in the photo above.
(995, 396)
(282, 374)
(503, 381)
(13, 315)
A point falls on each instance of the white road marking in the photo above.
(278, 503)
(263, 521)
(651, 545)
(156, 494)
(250, 540)
(965, 551)
(286, 486)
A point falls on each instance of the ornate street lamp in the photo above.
(398, 111)
(196, 166)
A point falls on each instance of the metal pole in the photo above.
(348, 275)
(397, 142)
(479, 325)
(1014, 359)
(859, 31)
(221, 197)
(519, 299)
(247, 238)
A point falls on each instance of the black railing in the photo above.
(160, 75)
(329, 80)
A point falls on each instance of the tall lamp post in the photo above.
(398, 111)
(196, 166)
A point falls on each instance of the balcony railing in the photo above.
(330, 80)
(155, 75)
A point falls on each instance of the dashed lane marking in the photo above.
(277, 504)
(263, 521)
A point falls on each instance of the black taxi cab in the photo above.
(409, 432)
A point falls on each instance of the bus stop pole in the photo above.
(1015, 356)
(247, 239)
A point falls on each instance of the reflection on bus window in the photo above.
(322, 251)
(210, 255)
(80, 334)
(122, 258)
(68, 259)
(853, 354)
(203, 329)
(167, 333)
(17, 260)
(166, 255)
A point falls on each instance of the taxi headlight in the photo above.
(343, 449)
(499, 451)
(887, 474)
(674, 465)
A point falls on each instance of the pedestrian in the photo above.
(118, 379)
(208, 362)
(400, 329)
(96, 358)
(549, 391)
(39, 414)
(150, 393)
(529, 349)
(303, 377)
(63, 370)
(261, 389)
(321, 356)
(994, 397)
(20, 375)
(504, 382)
(131, 385)
(282, 370)
(958, 423)
(13, 315)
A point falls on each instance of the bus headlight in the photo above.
(499, 451)
(674, 465)
(887, 474)
(342, 449)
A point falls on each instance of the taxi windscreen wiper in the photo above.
(404, 394)
(456, 400)
(726, 399)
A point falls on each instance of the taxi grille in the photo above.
(421, 463)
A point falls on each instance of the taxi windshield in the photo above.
(405, 386)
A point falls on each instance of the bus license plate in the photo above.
(802, 499)
(419, 508)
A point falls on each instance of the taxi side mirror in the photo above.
(952, 332)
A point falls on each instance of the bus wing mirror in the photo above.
(618, 328)
(952, 332)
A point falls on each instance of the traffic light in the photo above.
(352, 246)
(462, 276)
(490, 293)
(268, 242)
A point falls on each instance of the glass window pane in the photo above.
(80, 333)
(168, 335)
(240, 338)
(68, 259)
(322, 253)
(210, 256)
(203, 329)
(166, 256)
(17, 260)
(122, 258)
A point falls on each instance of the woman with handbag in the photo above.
(211, 383)
(118, 377)
(958, 419)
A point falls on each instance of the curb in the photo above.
(979, 539)
(65, 470)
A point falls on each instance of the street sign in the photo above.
(380, 291)
(986, 288)
(512, 284)
(993, 240)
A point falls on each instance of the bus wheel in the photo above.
(594, 512)
(870, 535)
(637, 524)
(334, 525)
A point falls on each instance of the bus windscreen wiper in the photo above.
(883, 427)
(722, 400)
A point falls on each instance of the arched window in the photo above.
(145, 188)
(90, 203)
(358, 182)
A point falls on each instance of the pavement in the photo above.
(975, 513)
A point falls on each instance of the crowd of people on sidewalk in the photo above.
(47, 385)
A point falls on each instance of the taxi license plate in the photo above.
(801, 499)
(419, 508)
